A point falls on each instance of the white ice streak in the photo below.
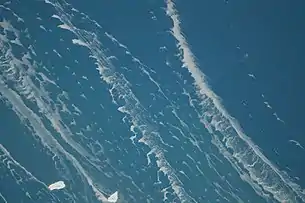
(43, 28)
(251, 76)
(270, 107)
(19, 19)
(296, 143)
(143, 68)
(16, 163)
(121, 92)
(22, 71)
(262, 173)
(267, 104)
(3, 198)
(45, 136)
(18, 72)
(23, 177)
(79, 42)
(56, 52)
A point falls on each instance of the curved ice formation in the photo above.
(244, 155)
(57, 185)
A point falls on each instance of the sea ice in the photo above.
(57, 185)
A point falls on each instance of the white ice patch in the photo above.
(79, 42)
(65, 27)
(113, 198)
(57, 185)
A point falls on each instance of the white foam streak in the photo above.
(3, 198)
(265, 175)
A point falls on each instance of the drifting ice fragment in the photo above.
(113, 198)
(57, 185)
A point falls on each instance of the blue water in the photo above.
(160, 101)
(273, 43)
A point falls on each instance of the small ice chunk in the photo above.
(113, 197)
(252, 76)
(57, 185)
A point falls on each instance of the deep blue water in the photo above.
(274, 44)
(146, 98)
